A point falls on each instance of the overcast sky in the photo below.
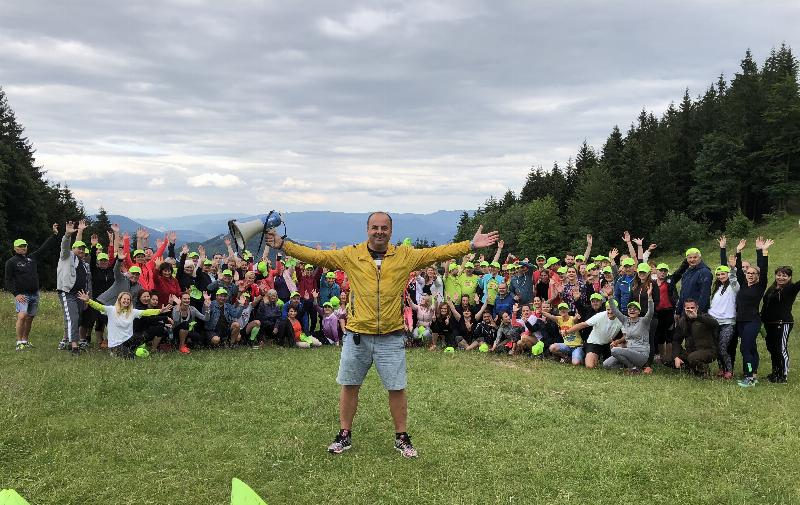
(185, 107)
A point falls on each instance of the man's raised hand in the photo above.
(484, 239)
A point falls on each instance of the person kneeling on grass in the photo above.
(699, 334)
(121, 315)
(635, 336)
(605, 328)
(156, 330)
(463, 325)
(290, 331)
(507, 335)
(572, 347)
(185, 317)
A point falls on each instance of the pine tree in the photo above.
(533, 185)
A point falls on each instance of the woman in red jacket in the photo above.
(165, 285)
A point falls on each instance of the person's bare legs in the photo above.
(398, 406)
(21, 325)
(348, 404)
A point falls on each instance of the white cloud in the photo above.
(156, 182)
(214, 179)
(358, 24)
(298, 184)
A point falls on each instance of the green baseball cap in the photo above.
(484, 263)
(310, 266)
(537, 349)
(194, 255)
(607, 270)
(722, 268)
(20, 242)
(662, 266)
(596, 296)
(227, 272)
(246, 294)
(99, 247)
(541, 256)
(208, 262)
(327, 304)
(335, 302)
(628, 262)
(552, 260)
(580, 257)
(222, 291)
(294, 293)
(262, 267)
(692, 250)
(79, 244)
(562, 270)
(134, 270)
(102, 256)
(563, 305)
(592, 266)
(137, 252)
(484, 347)
(469, 264)
(635, 304)
(643, 267)
(452, 266)
(494, 264)
(87, 251)
(599, 257)
(330, 275)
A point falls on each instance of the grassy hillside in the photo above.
(175, 429)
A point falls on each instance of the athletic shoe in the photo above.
(20, 346)
(28, 344)
(62, 346)
(748, 382)
(404, 445)
(341, 443)
(776, 379)
(184, 350)
(104, 344)
(727, 375)
(632, 371)
(647, 370)
(83, 344)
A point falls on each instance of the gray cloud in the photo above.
(153, 108)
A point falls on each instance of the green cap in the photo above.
(20, 242)
(246, 294)
(452, 266)
(599, 257)
(335, 302)
(541, 256)
(662, 266)
(79, 244)
(484, 263)
(607, 270)
(592, 266)
(87, 251)
(494, 264)
(330, 275)
(449, 350)
(552, 260)
(327, 304)
(484, 347)
(580, 257)
(635, 304)
(596, 296)
(222, 291)
(537, 349)
(227, 272)
(506, 266)
(99, 247)
(407, 241)
(692, 250)
(137, 252)
(294, 293)
(562, 270)
(142, 352)
(643, 267)
(722, 268)
(563, 305)
(134, 270)
(628, 262)
(194, 255)
(102, 256)
(208, 262)
(262, 267)
(309, 265)
(469, 264)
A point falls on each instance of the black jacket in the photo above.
(22, 272)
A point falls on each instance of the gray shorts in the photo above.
(388, 352)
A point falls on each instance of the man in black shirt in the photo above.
(22, 281)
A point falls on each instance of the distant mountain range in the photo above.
(310, 227)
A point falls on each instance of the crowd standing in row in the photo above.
(582, 310)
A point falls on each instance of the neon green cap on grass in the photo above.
(537, 349)
(643, 267)
(484, 347)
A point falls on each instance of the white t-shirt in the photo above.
(120, 329)
(603, 328)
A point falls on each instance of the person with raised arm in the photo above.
(752, 285)
(378, 272)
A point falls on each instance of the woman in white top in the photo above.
(120, 322)
(723, 309)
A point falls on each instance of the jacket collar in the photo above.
(363, 251)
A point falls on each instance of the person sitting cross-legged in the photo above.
(694, 340)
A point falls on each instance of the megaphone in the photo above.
(242, 232)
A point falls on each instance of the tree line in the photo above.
(721, 161)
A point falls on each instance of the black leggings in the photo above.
(748, 331)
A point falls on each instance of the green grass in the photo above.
(175, 429)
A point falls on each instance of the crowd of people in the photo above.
(611, 311)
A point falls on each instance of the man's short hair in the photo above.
(689, 300)
(379, 212)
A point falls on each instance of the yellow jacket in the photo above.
(375, 306)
